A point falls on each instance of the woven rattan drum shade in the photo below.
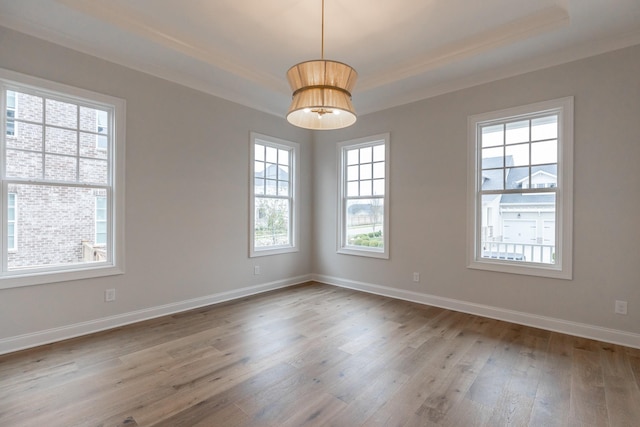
(321, 95)
(321, 92)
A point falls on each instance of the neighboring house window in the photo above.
(363, 225)
(102, 139)
(520, 189)
(11, 113)
(11, 222)
(274, 195)
(52, 167)
(101, 220)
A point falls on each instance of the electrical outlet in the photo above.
(110, 295)
(621, 307)
(256, 269)
(416, 277)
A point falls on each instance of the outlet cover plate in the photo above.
(621, 307)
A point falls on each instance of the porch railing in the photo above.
(529, 252)
(92, 253)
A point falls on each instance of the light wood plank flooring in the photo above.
(321, 355)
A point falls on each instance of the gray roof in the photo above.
(271, 172)
(517, 174)
(492, 180)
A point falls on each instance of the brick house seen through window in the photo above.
(49, 140)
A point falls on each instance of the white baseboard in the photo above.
(21, 342)
(548, 323)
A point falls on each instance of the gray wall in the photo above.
(187, 195)
(187, 160)
(429, 196)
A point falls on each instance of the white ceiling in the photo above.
(403, 50)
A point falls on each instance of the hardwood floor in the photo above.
(321, 355)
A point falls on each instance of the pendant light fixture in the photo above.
(321, 93)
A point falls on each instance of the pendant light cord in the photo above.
(322, 46)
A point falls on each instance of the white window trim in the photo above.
(294, 172)
(563, 269)
(116, 264)
(342, 247)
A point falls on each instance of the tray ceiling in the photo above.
(404, 51)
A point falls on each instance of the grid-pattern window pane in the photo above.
(521, 211)
(58, 180)
(519, 170)
(273, 196)
(363, 200)
(365, 197)
(50, 145)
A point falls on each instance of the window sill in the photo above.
(17, 279)
(540, 270)
(364, 252)
(266, 252)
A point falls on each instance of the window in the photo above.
(363, 225)
(520, 190)
(11, 113)
(11, 222)
(69, 192)
(101, 221)
(274, 195)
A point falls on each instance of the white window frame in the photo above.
(115, 209)
(342, 244)
(294, 195)
(563, 268)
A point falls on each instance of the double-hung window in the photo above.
(274, 195)
(67, 189)
(520, 189)
(363, 203)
